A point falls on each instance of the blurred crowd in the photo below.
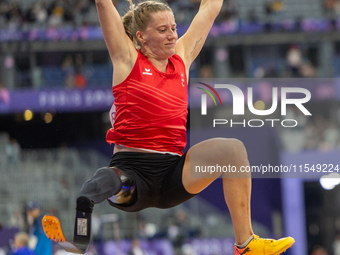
(46, 13)
(178, 228)
(331, 8)
(73, 70)
(320, 132)
(295, 65)
(30, 239)
(57, 13)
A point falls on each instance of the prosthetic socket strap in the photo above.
(128, 192)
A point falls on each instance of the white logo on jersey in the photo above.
(182, 80)
(147, 72)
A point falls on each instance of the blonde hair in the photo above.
(22, 238)
(138, 17)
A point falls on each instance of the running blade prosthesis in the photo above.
(54, 232)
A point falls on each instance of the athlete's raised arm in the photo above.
(191, 43)
(121, 48)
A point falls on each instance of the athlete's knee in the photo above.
(230, 148)
(238, 148)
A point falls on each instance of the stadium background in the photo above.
(55, 97)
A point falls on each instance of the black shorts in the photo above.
(158, 179)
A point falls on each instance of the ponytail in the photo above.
(132, 6)
(128, 23)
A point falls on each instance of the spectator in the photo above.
(278, 6)
(330, 8)
(294, 60)
(13, 152)
(69, 14)
(252, 16)
(147, 230)
(91, 17)
(307, 70)
(206, 72)
(14, 17)
(330, 137)
(80, 9)
(80, 80)
(29, 15)
(136, 248)
(17, 220)
(40, 12)
(37, 77)
(268, 8)
(57, 14)
(44, 245)
(180, 229)
(68, 68)
(21, 245)
(4, 7)
(311, 137)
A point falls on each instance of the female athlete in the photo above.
(148, 168)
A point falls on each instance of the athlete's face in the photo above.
(34, 213)
(160, 36)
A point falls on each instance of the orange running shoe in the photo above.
(263, 246)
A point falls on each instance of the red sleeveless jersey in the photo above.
(151, 107)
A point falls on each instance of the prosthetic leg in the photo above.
(106, 183)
